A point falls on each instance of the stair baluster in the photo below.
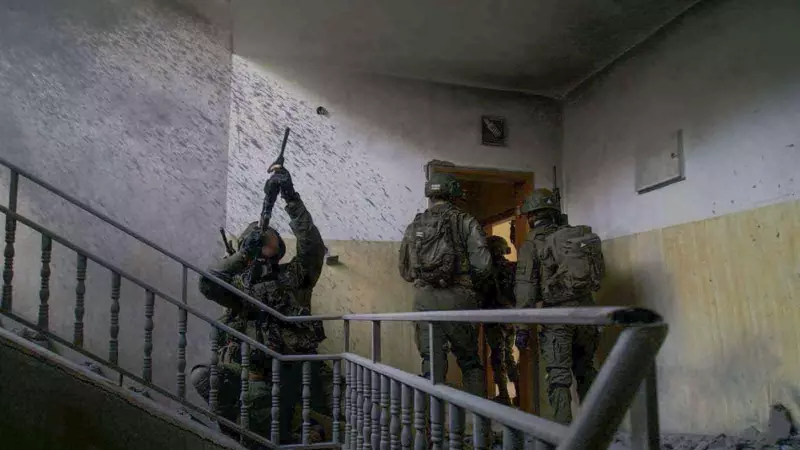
(456, 427)
(213, 372)
(367, 409)
(182, 328)
(375, 438)
(306, 403)
(8, 251)
(147, 366)
(384, 418)
(359, 430)
(275, 432)
(244, 407)
(349, 367)
(394, 412)
(480, 430)
(405, 417)
(337, 401)
(80, 292)
(44, 290)
(113, 343)
(420, 441)
(437, 423)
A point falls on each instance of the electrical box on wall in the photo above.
(660, 162)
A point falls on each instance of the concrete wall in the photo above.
(124, 105)
(360, 169)
(48, 403)
(728, 75)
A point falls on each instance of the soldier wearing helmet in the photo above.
(559, 266)
(443, 253)
(499, 293)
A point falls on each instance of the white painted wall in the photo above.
(360, 169)
(729, 76)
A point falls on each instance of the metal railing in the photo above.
(374, 406)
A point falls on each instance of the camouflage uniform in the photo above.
(461, 295)
(499, 293)
(565, 349)
(288, 289)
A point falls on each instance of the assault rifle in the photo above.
(266, 210)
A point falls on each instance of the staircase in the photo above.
(374, 406)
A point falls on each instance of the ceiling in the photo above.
(545, 47)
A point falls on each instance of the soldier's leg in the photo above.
(429, 300)
(584, 348)
(463, 338)
(228, 390)
(494, 337)
(321, 387)
(556, 349)
(508, 353)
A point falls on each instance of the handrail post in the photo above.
(613, 390)
(376, 341)
(644, 414)
(346, 336)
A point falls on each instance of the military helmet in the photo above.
(443, 185)
(539, 200)
(498, 245)
(252, 226)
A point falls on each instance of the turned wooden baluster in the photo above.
(348, 401)
(44, 289)
(213, 374)
(337, 401)
(456, 427)
(80, 292)
(244, 407)
(394, 415)
(437, 425)
(8, 251)
(182, 327)
(275, 431)
(113, 342)
(147, 366)
(358, 432)
(405, 418)
(306, 403)
(480, 430)
(375, 440)
(420, 443)
(367, 409)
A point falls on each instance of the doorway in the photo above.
(492, 197)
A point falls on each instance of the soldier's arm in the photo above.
(404, 259)
(527, 286)
(480, 260)
(225, 269)
(310, 256)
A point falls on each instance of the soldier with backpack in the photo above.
(560, 266)
(444, 253)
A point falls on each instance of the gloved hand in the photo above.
(284, 179)
(523, 337)
(252, 244)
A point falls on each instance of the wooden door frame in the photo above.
(529, 382)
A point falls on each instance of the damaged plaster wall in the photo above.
(125, 106)
(361, 166)
(723, 268)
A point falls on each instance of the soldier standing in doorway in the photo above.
(443, 253)
(499, 293)
(559, 266)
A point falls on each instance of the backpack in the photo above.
(433, 251)
(574, 263)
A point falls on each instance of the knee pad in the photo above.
(200, 378)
